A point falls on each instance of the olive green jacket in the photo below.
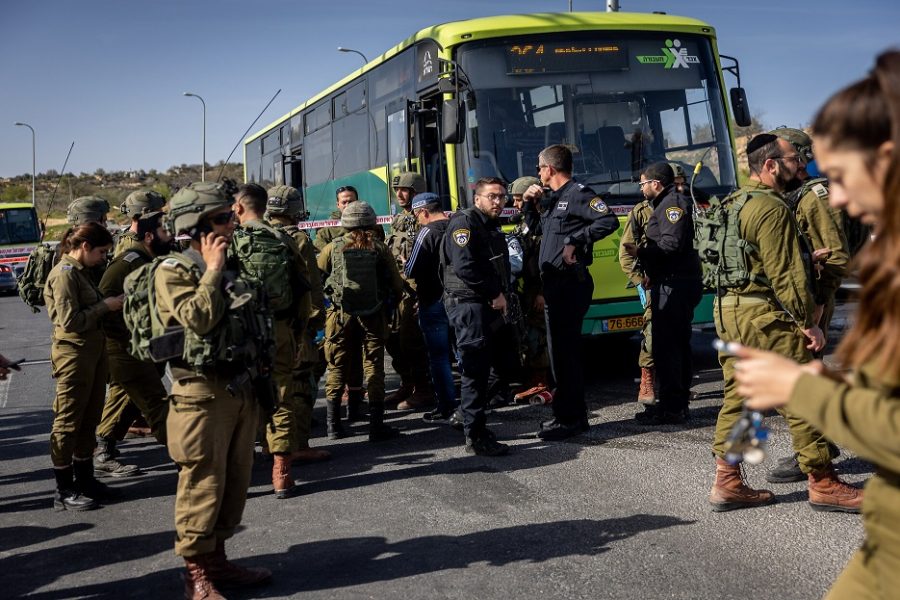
(767, 223)
(824, 227)
(133, 255)
(633, 233)
(326, 235)
(74, 304)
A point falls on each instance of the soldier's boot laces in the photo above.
(67, 497)
(646, 393)
(828, 493)
(197, 584)
(282, 482)
(105, 463)
(334, 427)
(730, 491)
(225, 574)
(355, 410)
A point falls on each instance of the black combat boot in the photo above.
(378, 431)
(333, 426)
(105, 463)
(355, 411)
(87, 484)
(67, 497)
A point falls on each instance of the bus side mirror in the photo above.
(451, 119)
(739, 107)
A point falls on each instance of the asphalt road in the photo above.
(619, 512)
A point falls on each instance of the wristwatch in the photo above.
(567, 241)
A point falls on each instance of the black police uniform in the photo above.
(574, 215)
(475, 264)
(673, 267)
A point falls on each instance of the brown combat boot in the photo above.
(646, 393)
(730, 491)
(398, 395)
(282, 481)
(225, 573)
(418, 400)
(197, 583)
(828, 493)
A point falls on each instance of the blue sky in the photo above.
(109, 74)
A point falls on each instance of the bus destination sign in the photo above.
(524, 58)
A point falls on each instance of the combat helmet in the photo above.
(411, 180)
(798, 138)
(677, 169)
(518, 187)
(286, 200)
(192, 203)
(358, 214)
(142, 202)
(86, 209)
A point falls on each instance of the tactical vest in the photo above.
(456, 287)
(266, 262)
(33, 279)
(403, 237)
(353, 284)
(723, 252)
(243, 336)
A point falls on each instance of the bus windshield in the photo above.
(620, 101)
(18, 226)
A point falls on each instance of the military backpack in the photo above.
(266, 261)
(353, 282)
(142, 317)
(32, 280)
(723, 252)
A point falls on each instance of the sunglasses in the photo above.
(222, 218)
(346, 188)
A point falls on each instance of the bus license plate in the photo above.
(632, 323)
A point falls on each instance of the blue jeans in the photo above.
(436, 330)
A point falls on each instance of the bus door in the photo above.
(429, 147)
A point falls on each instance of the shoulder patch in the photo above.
(599, 205)
(674, 214)
(562, 206)
(461, 237)
(820, 190)
(66, 268)
(131, 257)
(171, 263)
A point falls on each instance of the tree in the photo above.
(15, 193)
(756, 126)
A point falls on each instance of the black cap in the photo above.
(757, 142)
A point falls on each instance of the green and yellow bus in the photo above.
(20, 232)
(476, 98)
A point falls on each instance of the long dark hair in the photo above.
(862, 117)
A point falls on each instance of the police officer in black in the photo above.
(475, 262)
(673, 269)
(574, 218)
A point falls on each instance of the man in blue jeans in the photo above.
(423, 265)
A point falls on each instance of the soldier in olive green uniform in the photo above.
(75, 307)
(213, 415)
(633, 233)
(823, 227)
(147, 399)
(290, 322)
(534, 343)
(343, 327)
(405, 344)
(137, 382)
(772, 311)
(283, 210)
(344, 195)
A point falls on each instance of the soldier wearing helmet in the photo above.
(406, 344)
(361, 279)
(343, 197)
(213, 415)
(87, 209)
(283, 210)
(136, 205)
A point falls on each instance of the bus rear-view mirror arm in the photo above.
(739, 106)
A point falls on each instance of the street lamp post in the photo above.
(342, 49)
(203, 165)
(33, 172)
